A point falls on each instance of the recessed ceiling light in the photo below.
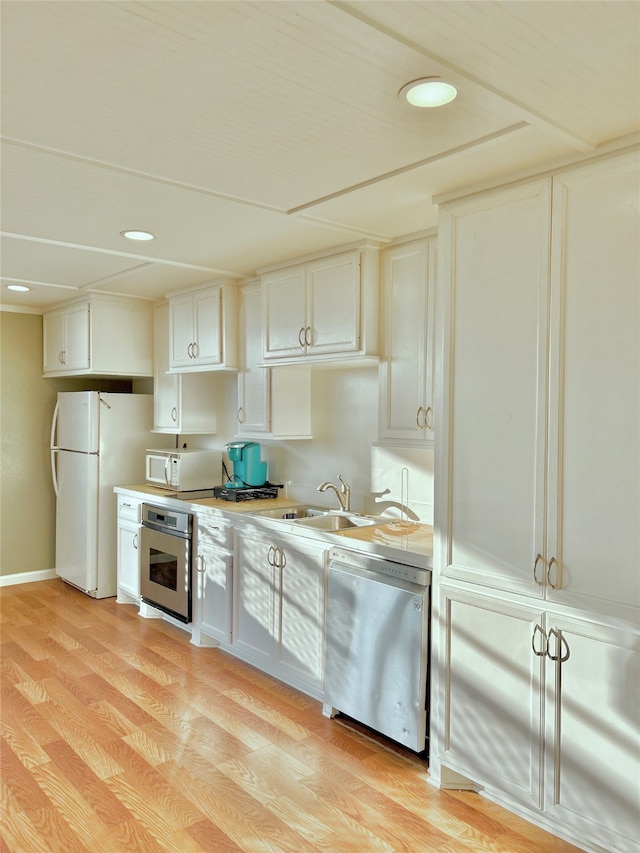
(19, 287)
(428, 92)
(138, 235)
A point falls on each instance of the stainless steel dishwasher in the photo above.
(377, 646)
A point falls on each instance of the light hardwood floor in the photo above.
(119, 735)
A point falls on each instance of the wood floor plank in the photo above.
(89, 785)
(70, 803)
(120, 736)
(19, 781)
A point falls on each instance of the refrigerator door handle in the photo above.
(54, 425)
(54, 471)
(54, 449)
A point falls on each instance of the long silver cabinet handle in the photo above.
(538, 630)
(563, 652)
(271, 555)
(201, 563)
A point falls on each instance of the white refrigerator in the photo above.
(97, 441)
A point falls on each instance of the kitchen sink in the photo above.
(293, 513)
(335, 521)
(316, 517)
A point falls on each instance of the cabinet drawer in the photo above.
(212, 531)
(128, 509)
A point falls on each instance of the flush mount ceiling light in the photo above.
(21, 288)
(428, 92)
(138, 235)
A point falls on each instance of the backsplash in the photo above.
(345, 431)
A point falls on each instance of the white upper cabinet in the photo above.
(324, 310)
(271, 403)
(541, 387)
(406, 365)
(66, 339)
(182, 402)
(202, 329)
(104, 336)
(495, 257)
(593, 513)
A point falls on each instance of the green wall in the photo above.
(27, 401)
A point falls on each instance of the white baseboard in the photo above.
(28, 577)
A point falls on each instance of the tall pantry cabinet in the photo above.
(537, 550)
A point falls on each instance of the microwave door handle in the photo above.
(166, 471)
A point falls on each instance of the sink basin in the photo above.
(335, 521)
(293, 513)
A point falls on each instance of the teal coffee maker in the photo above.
(248, 470)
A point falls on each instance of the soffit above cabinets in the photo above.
(242, 134)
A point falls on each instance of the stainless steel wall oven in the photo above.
(165, 560)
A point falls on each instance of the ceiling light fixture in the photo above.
(428, 92)
(21, 288)
(138, 235)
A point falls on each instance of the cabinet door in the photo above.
(66, 339)
(495, 256)
(594, 491)
(129, 559)
(592, 761)
(284, 311)
(301, 611)
(491, 697)
(53, 341)
(181, 331)
(77, 354)
(406, 408)
(253, 381)
(208, 326)
(166, 386)
(255, 578)
(333, 308)
(214, 564)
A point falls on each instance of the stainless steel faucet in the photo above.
(343, 493)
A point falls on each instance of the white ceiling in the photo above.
(243, 134)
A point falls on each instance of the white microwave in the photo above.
(184, 470)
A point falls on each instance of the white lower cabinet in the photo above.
(491, 706)
(128, 539)
(592, 742)
(541, 709)
(212, 584)
(279, 603)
